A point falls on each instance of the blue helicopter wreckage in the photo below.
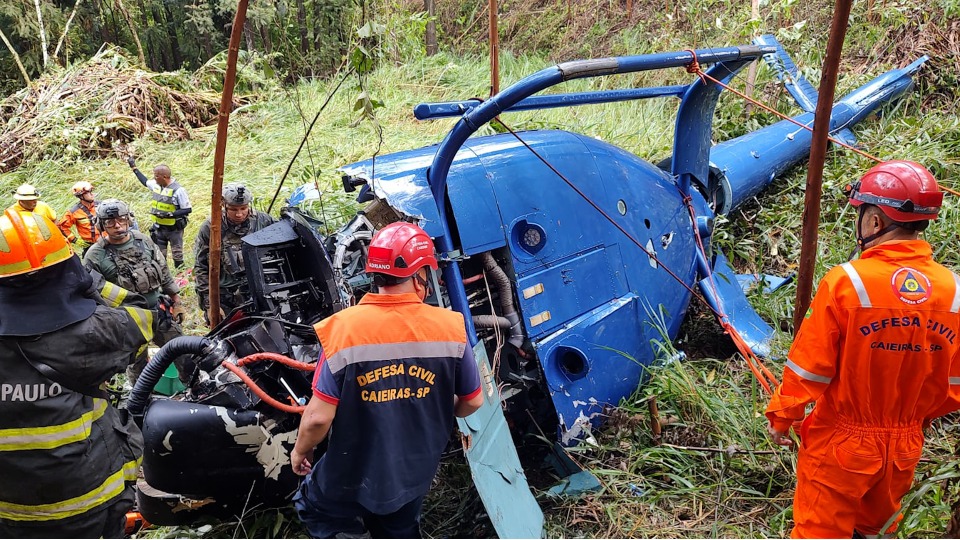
(556, 247)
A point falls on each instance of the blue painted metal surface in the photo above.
(743, 166)
(495, 467)
(789, 74)
(592, 239)
(724, 294)
(498, 189)
(767, 283)
(432, 111)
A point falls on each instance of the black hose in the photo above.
(491, 321)
(505, 289)
(500, 279)
(151, 375)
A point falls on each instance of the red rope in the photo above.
(763, 375)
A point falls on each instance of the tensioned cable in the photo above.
(763, 375)
(303, 141)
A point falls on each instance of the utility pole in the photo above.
(752, 72)
(818, 152)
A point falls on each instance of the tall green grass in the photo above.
(743, 490)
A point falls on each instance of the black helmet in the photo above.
(236, 194)
(111, 209)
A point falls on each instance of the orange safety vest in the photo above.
(394, 363)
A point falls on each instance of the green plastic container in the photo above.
(169, 384)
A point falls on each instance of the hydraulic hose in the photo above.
(491, 321)
(505, 290)
(260, 392)
(239, 372)
(285, 360)
(151, 375)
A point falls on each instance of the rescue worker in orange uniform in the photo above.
(401, 370)
(81, 216)
(879, 353)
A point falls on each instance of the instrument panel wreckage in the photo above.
(557, 248)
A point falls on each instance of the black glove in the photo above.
(132, 162)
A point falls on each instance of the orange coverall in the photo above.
(80, 215)
(878, 353)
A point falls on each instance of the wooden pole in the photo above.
(818, 152)
(655, 427)
(752, 72)
(223, 121)
(494, 50)
(431, 31)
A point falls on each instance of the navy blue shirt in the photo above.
(394, 390)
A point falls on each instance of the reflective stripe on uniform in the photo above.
(47, 437)
(131, 468)
(113, 294)
(804, 374)
(954, 380)
(955, 307)
(110, 488)
(393, 351)
(163, 201)
(144, 320)
(857, 284)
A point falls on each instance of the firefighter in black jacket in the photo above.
(68, 458)
(239, 220)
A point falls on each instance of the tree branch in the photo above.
(66, 29)
(16, 57)
(133, 30)
(43, 34)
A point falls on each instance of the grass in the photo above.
(668, 490)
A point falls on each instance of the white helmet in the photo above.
(26, 192)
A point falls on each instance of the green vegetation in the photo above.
(742, 486)
(304, 38)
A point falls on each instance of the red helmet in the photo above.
(905, 191)
(399, 250)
